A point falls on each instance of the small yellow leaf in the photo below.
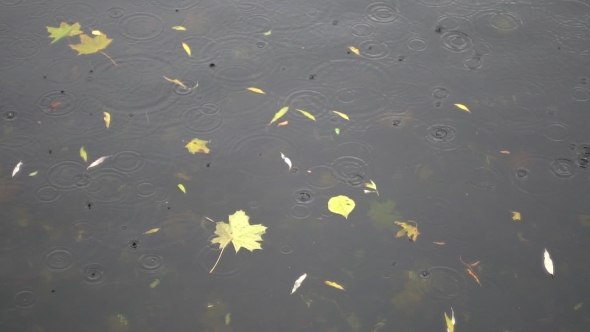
(151, 231)
(34, 173)
(342, 115)
(96, 32)
(341, 205)
(155, 283)
(107, 119)
(186, 48)
(463, 107)
(257, 90)
(181, 187)
(197, 145)
(333, 284)
(450, 321)
(279, 114)
(373, 186)
(268, 33)
(307, 114)
(516, 215)
(179, 28)
(354, 50)
(83, 154)
(410, 231)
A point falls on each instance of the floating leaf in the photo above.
(279, 114)
(450, 321)
(97, 162)
(227, 318)
(257, 90)
(578, 306)
(307, 114)
(155, 283)
(175, 81)
(333, 284)
(83, 154)
(268, 33)
(439, 243)
(337, 131)
(197, 145)
(463, 107)
(373, 186)
(179, 28)
(298, 282)
(96, 32)
(287, 160)
(505, 152)
(239, 232)
(181, 187)
(344, 116)
(471, 273)
(151, 231)
(63, 30)
(548, 262)
(515, 215)
(284, 123)
(187, 49)
(409, 230)
(89, 45)
(17, 168)
(341, 205)
(107, 119)
(34, 173)
(354, 50)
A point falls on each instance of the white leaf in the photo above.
(17, 168)
(298, 282)
(548, 262)
(287, 160)
(97, 162)
(452, 316)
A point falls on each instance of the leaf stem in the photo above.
(113, 61)
(222, 249)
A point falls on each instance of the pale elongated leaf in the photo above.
(279, 114)
(187, 48)
(287, 160)
(548, 262)
(307, 114)
(17, 168)
(98, 162)
(463, 107)
(298, 282)
(344, 116)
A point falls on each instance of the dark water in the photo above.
(119, 247)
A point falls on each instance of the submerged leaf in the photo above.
(344, 116)
(279, 114)
(197, 145)
(89, 45)
(409, 230)
(463, 107)
(83, 154)
(187, 49)
(307, 114)
(63, 30)
(257, 90)
(333, 284)
(341, 205)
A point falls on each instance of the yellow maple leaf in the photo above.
(197, 145)
(239, 232)
(89, 45)
(409, 230)
(63, 31)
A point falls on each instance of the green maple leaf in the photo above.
(63, 31)
(89, 45)
(239, 232)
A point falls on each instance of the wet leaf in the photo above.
(155, 283)
(373, 186)
(63, 30)
(227, 318)
(151, 231)
(96, 32)
(337, 131)
(578, 306)
(472, 274)
(187, 49)
(34, 173)
(307, 114)
(268, 33)
(354, 50)
(284, 123)
(287, 160)
(463, 107)
(548, 262)
(197, 145)
(179, 28)
(181, 187)
(344, 116)
(17, 168)
(515, 215)
(410, 231)
(279, 114)
(450, 321)
(439, 243)
(107, 119)
(83, 154)
(298, 282)
(257, 90)
(505, 152)
(333, 284)
(97, 162)
(175, 81)
(89, 45)
(239, 232)
(341, 205)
